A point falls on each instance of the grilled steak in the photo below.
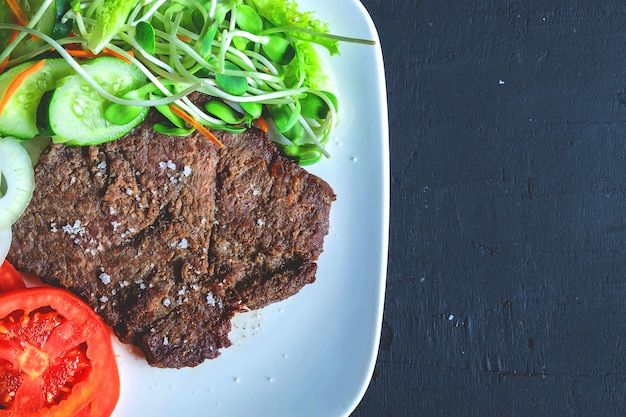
(168, 237)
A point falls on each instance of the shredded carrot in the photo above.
(15, 84)
(81, 53)
(20, 17)
(18, 12)
(193, 122)
(110, 52)
(14, 36)
(262, 124)
(4, 63)
(184, 38)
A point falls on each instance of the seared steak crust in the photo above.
(167, 237)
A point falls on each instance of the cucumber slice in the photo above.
(76, 110)
(19, 117)
(43, 121)
(17, 181)
(5, 243)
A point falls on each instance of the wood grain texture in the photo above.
(506, 291)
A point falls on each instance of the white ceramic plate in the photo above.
(313, 354)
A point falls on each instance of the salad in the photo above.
(257, 58)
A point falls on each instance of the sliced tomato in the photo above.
(56, 356)
(10, 278)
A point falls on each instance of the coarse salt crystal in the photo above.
(169, 164)
(105, 278)
(210, 299)
(76, 229)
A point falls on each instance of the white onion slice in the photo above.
(5, 243)
(18, 177)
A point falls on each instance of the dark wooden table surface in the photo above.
(506, 289)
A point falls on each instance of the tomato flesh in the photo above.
(10, 278)
(56, 357)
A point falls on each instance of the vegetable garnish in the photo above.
(10, 278)
(17, 12)
(5, 61)
(12, 88)
(56, 356)
(187, 118)
(17, 181)
(81, 53)
(262, 124)
(250, 55)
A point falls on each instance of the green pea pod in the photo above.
(284, 117)
(249, 20)
(227, 128)
(314, 107)
(171, 130)
(305, 154)
(165, 110)
(223, 112)
(120, 114)
(295, 133)
(232, 84)
(279, 50)
(253, 110)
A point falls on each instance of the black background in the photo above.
(506, 285)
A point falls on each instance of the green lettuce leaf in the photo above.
(286, 13)
(111, 17)
(317, 76)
